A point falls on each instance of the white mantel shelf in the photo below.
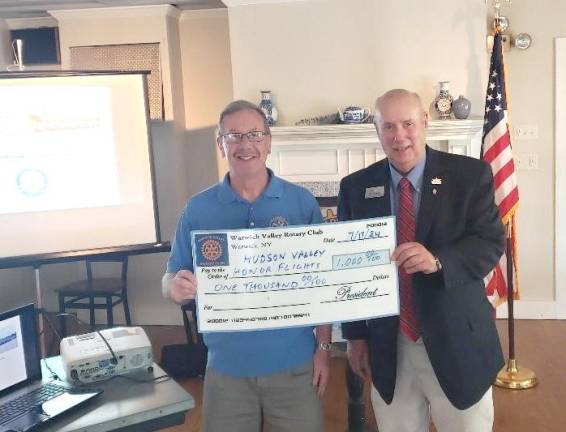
(438, 130)
(329, 152)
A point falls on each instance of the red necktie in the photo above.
(406, 233)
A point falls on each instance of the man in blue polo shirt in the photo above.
(274, 376)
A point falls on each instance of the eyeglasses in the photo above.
(237, 137)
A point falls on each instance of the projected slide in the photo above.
(57, 150)
(75, 164)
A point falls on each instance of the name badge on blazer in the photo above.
(375, 192)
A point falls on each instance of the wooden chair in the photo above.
(86, 294)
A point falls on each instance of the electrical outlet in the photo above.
(532, 161)
(526, 132)
(526, 161)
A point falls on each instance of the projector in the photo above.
(87, 358)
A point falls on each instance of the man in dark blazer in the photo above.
(441, 359)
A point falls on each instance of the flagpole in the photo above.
(512, 376)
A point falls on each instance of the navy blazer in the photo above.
(459, 223)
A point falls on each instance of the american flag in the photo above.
(496, 150)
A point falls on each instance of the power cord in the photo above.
(156, 380)
(49, 322)
(54, 375)
(114, 360)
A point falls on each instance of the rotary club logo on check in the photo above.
(211, 249)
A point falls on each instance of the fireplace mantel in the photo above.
(305, 154)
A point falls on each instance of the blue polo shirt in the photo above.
(248, 353)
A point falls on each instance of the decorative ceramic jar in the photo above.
(266, 105)
(443, 102)
(461, 107)
(353, 114)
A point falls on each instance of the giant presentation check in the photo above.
(295, 276)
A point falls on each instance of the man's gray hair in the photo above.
(394, 94)
(241, 105)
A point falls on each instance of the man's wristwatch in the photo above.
(324, 346)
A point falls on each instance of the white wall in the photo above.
(207, 86)
(316, 56)
(207, 69)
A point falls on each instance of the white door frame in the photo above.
(560, 178)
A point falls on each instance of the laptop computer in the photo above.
(27, 401)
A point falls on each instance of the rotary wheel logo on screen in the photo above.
(211, 249)
(32, 182)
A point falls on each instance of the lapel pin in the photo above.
(375, 192)
(436, 181)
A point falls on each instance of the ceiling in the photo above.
(39, 8)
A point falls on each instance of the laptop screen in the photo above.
(19, 355)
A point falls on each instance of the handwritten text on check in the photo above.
(295, 276)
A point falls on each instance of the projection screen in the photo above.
(75, 164)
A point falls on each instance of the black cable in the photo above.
(156, 380)
(50, 323)
(53, 328)
(54, 375)
(114, 360)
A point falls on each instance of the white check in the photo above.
(295, 276)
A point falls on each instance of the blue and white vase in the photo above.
(461, 108)
(266, 105)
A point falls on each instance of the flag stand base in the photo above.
(513, 377)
